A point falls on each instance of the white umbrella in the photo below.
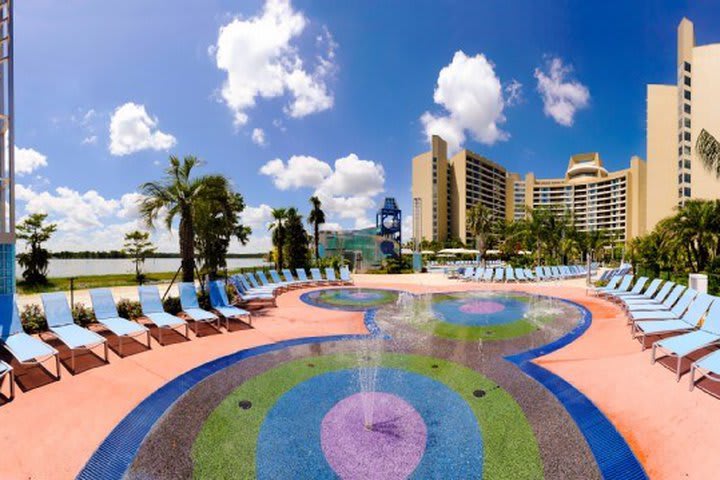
(406, 251)
(428, 252)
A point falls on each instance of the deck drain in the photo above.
(434, 366)
(311, 365)
(479, 393)
(245, 404)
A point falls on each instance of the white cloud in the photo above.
(347, 191)
(562, 96)
(300, 171)
(262, 59)
(258, 218)
(407, 228)
(90, 140)
(132, 130)
(513, 93)
(27, 160)
(353, 176)
(472, 96)
(258, 137)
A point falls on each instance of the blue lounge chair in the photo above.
(637, 288)
(688, 321)
(539, 274)
(191, 307)
(520, 275)
(62, 324)
(345, 275)
(330, 275)
(708, 367)
(623, 287)
(555, 273)
(655, 299)
(256, 287)
(279, 286)
(107, 315)
(242, 290)
(152, 309)
(468, 274)
(317, 276)
(529, 275)
(646, 295)
(26, 349)
(250, 290)
(509, 275)
(612, 285)
(499, 271)
(290, 280)
(683, 345)
(665, 304)
(675, 311)
(220, 303)
(488, 275)
(548, 273)
(302, 275)
(6, 371)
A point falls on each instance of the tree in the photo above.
(277, 227)
(216, 218)
(708, 149)
(695, 227)
(595, 241)
(175, 196)
(296, 245)
(36, 259)
(316, 218)
(480, 223)
(138, 246)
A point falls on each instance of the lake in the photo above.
(75, 267)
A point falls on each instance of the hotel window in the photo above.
(687, 67)
(686, 149)
(687, 94)
(687, 178)
(687, 191)
(688, 81)
(687, 122)
(687, 136)
(686, 108)
(687, 164)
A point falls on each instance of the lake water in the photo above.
(60, 267)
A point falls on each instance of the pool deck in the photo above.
(52, 427)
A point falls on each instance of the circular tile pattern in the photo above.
(354, 299)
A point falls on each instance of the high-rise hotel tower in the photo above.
(676, 114)
(626, 202)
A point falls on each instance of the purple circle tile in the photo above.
(481, 307)
(389, 447)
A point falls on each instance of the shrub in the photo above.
(204, 300)
(129, 309)
(172, 305)
(33, 318)
(83, 315)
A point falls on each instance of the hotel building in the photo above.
(676, 114)
(626, 202)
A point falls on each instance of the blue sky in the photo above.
(105, 91)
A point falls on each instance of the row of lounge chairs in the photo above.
(510, 274)
(30, 350)
(687, 321)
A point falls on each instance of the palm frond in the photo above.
(708, 149)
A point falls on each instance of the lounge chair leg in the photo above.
(12, 384)
(106, 352)
(679, 361)
(148, 340)
(120, 345)
(72, 360)
(652, 356)
(187, 332)
(57, 365)
(160, 335)
(692, 378)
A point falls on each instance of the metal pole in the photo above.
(72, 292)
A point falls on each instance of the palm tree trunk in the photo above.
(187, 250)
(317, 242)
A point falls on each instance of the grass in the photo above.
(97, 281)
(226, 445)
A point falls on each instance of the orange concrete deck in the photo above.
(50, 431)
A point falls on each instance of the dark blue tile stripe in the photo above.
(614, 457)
(115, 455)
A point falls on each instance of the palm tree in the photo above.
(595, 241)
(537, 229)
(173, 196)
(480, 224)
(694, 226)
(278, 234)
(316, 218)
(708, 149)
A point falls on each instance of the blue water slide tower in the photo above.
(389, 227)
(7, 162)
